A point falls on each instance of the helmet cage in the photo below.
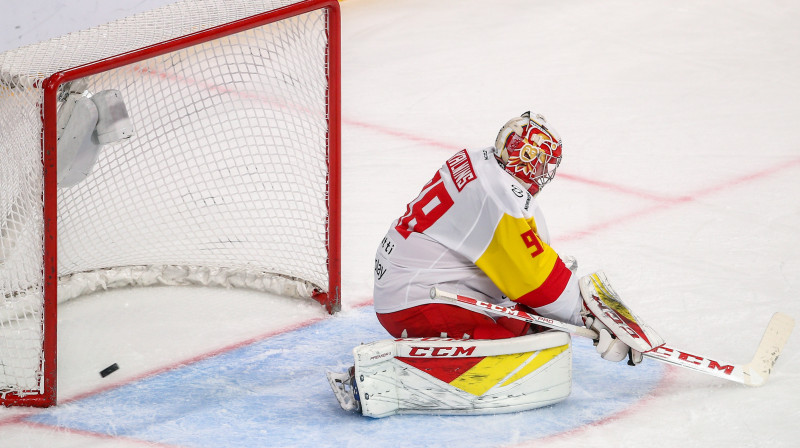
(534, 155)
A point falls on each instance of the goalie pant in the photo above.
(473, 230)
(454, 376)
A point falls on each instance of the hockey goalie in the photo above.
(476, 229)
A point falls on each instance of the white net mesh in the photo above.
(223, 183)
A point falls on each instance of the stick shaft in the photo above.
(437, 293)
(751, 374)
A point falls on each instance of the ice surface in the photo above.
(680, 180)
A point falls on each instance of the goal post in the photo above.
(231, 177)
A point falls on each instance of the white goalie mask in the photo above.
(530, 150)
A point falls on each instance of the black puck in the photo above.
(109, 370)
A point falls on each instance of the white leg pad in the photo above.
(455, 376)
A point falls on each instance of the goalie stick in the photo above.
(754, 373)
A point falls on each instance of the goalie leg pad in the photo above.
(456, 376)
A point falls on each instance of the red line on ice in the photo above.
(20, 418)
(667, 203)
(95, 435)
(660, 389)
(661, 202)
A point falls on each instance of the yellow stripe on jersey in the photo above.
(516, 260)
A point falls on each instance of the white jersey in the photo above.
(474, 230)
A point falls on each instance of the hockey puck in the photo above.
(109, 370)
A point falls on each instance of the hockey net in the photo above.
(230, 179)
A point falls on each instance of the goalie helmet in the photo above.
(529, 150)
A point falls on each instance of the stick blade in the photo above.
(756, 373)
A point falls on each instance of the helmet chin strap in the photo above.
(532, 188)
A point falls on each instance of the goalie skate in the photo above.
(345, 389)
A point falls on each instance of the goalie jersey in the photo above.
(474, 230)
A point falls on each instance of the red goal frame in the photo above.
(330, 300)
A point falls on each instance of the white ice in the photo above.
(680, 180)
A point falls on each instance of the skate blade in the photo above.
(344, 395)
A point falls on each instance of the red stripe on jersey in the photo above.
(445, 369)
(550, 290)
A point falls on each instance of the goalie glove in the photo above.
(607, 344)
(604, 312)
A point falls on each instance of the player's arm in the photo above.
(529, 271)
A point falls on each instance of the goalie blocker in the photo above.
(456, 376)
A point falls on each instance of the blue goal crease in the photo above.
(274, 393)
